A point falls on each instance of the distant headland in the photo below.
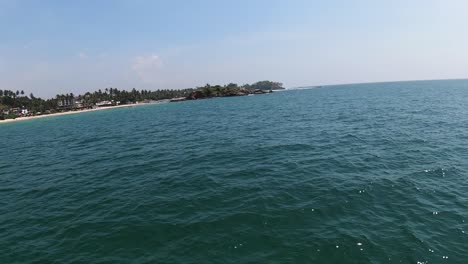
(16, 106)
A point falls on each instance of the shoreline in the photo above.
(19, 119)
(123, 106)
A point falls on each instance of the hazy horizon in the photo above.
(53, 47)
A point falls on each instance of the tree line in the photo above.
(63, 102)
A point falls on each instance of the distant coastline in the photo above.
(16, 106)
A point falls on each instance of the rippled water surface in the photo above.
(373, 173)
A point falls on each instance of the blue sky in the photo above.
(49, 47)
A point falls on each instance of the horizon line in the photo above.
(379, 82)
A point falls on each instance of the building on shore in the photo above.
(107, 103)
(66, 102)
(78, 103)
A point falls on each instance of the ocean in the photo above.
(363, 173)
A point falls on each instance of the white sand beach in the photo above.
(71, 112)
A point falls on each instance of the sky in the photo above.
(49, 47)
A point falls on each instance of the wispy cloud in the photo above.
(83, 55)
(147, 67)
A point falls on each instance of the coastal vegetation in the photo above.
(15, 104)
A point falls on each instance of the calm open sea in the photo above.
(369, 173)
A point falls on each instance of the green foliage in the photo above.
(266, 85)
(9, 99)
(65, 102)
(233, 89)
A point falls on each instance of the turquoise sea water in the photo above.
(372, 173)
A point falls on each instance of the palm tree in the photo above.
(218, 90)
(72, 100)
(207, 91)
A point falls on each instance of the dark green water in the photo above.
(374, 173)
